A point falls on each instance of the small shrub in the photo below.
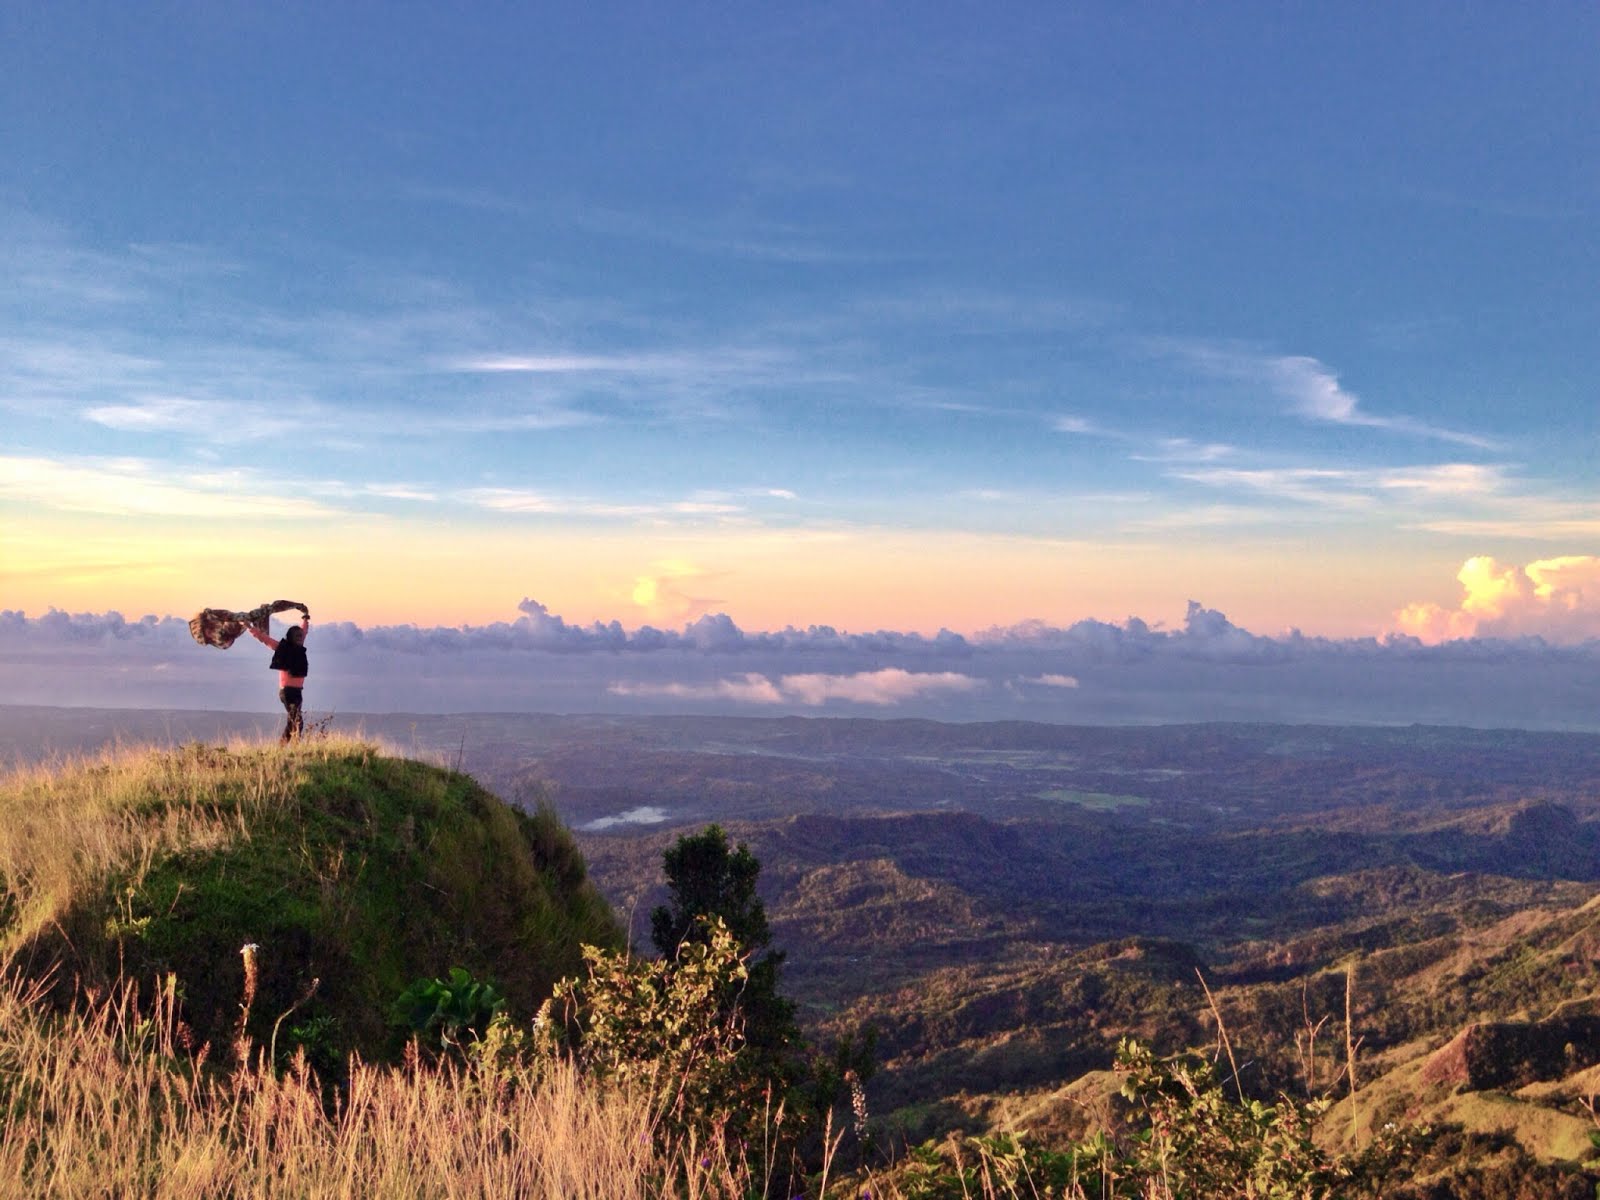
(447, 1012)
(661, 1025)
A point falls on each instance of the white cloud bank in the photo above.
(1521, 649)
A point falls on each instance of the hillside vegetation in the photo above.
(348, 872)
(204, 949)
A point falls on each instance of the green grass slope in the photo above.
(352, 872)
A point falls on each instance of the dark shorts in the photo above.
(292, 698)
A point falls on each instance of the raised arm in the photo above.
(264, 638)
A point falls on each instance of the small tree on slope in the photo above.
(706, 878)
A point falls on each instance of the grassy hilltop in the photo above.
(129, 885)
(337, 863)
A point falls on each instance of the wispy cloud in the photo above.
(399, 491)
(1468, 500)
(749, 688)
(1182, 449)
(1315, 392)
(139, 487)
(567, 364)
(216, 421)
(879, 689)
(1049, 681)
(1311, 389)
(728, 237)
(1445, 481)
(534, 416)
(1523, 517)
(521, 500)
(709, 382)
(974, 310)
(1320, 487)
(39, 261)
(1146, 448)
(480, 200)
(1349, 488)
(1204, 516)
(60, 369)
(1074, 424)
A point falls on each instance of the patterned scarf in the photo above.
(220, 627)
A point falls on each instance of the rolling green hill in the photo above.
(349, 871)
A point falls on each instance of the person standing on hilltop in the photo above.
(289, 661)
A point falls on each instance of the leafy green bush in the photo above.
(448, 1012)
(661, 1024)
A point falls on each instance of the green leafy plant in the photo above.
(706, 877)
(448, 1012)
(318, 1038)
(1202, 1143)
(661, 1024)
(1186, 1135)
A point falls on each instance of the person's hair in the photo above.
(296, 635)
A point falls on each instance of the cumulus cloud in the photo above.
(1557, 599)
(56, 626)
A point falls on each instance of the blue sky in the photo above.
(898, 317)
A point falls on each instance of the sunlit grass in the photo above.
(105, 1101)
(67, 826)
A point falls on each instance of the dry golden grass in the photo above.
(103, 1101)
(67, 826)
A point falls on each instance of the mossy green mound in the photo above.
(351, 872)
